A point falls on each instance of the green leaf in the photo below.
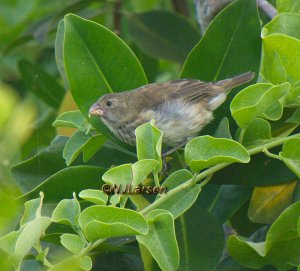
(177, 178)
(94, 196)
(73, 119)
(86, 263)
(268, 202)
(115, 199)
(281, 248)
(31, 233)
(180, 202)
(8, 241)
(92, 146)
(149, 142)
(229, 52)
(223, 130)
(120, 175)
(59, 52)
(103, 64)
(67, 212)
(68, 180)
(99, 222)
(81, 142)
(289, 6)
(257, 133)
(212, 198)
(72, 242)
(290, 155)
(41, 84)
(258, 101)
(295, 118)
(205, 151)
(161, 240)
(280, 65)
(194, 231)
(141, 169)
(32, 172)
(173, 41)
(31, 209)
(74, 146)
(287, 24)
(261, 171)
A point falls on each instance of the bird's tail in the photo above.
(228, 84)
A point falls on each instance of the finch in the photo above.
(181, 108)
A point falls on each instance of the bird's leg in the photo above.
(168, 152)
(175, 148)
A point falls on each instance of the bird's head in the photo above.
(111, 108)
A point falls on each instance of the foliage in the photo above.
(90, 198)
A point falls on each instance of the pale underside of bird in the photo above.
(180, 108)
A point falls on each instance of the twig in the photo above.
(117, 17)
(267, 8)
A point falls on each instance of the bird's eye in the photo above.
(109, 103)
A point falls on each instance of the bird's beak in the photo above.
(95, 110)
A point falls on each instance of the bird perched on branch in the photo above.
(181, 108)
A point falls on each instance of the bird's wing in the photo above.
(190, 90)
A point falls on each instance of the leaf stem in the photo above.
(156, 179)
(269, 154)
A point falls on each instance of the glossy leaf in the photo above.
(288, 6)
(206, 151)
(212, 198)
(180, 202)
(141, 169)
(177, 178)
(223, 130)
(67, 212)
(291, 155)
(103, 64)
(258, 101)
(94, 196)
(280, 65)
(73, 119)
(32, 172)
(198, 251)
(120, 175)
(224, 49)
(280, 249)
(286, 24)
(149, 142)
(261, 171)
(69, 180)
(173, 41)
(161, 240)
(99, 222)
(41, 84)
(257, 133)
(268, 202)
(72, 242)
(81, 142)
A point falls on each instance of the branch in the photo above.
(267, 8)
(207, 174)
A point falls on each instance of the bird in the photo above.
(180, 108)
